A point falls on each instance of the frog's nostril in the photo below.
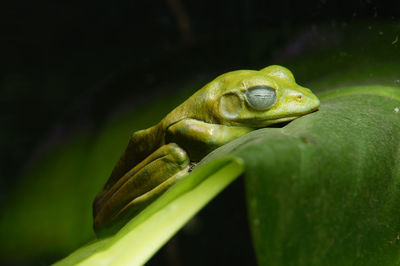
(299, 97)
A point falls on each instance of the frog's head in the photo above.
(259, 98)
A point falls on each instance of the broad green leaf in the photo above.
(325, 189)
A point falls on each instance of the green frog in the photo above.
(230, 106)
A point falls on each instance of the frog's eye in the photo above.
(261, 97)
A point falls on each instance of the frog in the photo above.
(231, 105)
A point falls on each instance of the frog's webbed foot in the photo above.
(141, 185)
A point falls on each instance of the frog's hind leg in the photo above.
(142, 184)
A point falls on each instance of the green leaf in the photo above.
(324, 190)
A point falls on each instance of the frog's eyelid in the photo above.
(260, 85)
(261, 97)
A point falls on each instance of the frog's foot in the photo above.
(141, 185)
(191, 166)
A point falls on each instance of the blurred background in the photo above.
(77, 79)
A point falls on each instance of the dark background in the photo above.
(67, 66)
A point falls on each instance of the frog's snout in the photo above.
(312, 102)
(303, 102)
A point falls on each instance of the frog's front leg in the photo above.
(141, 184)
(199, 138)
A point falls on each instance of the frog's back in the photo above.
(144, 142)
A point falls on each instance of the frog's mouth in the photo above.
(261, 123)
(281, 120)
(266, 122)
(284, 119)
